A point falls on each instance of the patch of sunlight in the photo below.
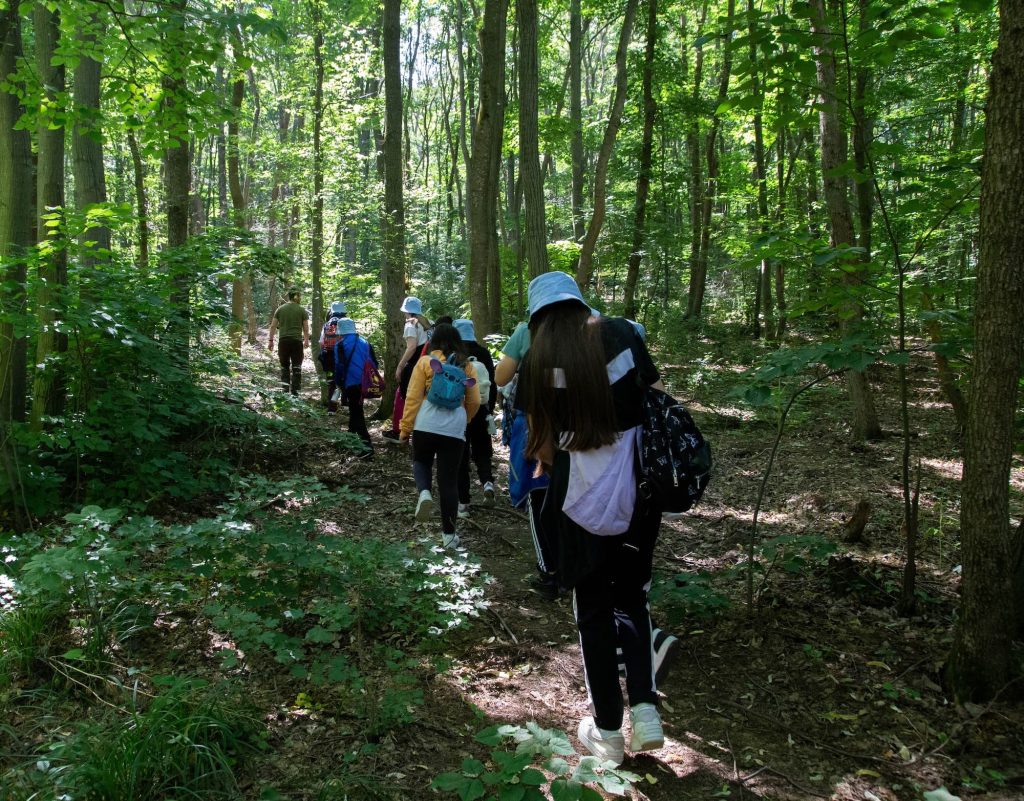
(8, 598)
(745, 415)
(947, 468)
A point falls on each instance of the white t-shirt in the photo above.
(414, 329)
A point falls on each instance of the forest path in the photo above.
(827, 694)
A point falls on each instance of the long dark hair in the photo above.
(564, 336)
(447, 339)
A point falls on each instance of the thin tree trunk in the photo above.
(48, 388)
(576, 117)
(238, 284)
(864, 418)
(535, 239)
(693, 153)
(141, 202)
(643, 178)
(584, 270)
(698, 276)
(393, 220)
(317, 243)
(981, 663)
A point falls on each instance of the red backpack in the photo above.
(331, 335)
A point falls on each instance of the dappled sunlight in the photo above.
(951, 469)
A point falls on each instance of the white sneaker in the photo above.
(609, 746)
(450, 540)
(463, 511)
(647, 732)
(488, 494)
(665, 654)
(425, 506)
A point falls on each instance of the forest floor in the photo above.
(822, 692)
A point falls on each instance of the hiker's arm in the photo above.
(410, 348)
(413, 398)
(273, 330)
(505, 370)
(473, 393)
(305, 334)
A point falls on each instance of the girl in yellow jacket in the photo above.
(439, 431)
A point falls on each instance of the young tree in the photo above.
(585, 268)
(981, 664)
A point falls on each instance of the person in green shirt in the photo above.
(292, 320)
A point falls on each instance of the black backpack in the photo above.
(674, 458)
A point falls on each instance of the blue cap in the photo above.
(466, 330)
(553, 287)
(346, 325)
(412, 305)
(338, 307)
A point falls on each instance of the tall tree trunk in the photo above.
(981, 663)
(696, 173)
(177, 166)
(643, 178)
(16, 235)
(90, 180)
(317, 244)
(393, 220)
(48, 388)
(238, 284)
(585, 269)
(576, 117)
(864, 422)
(535, 240)
(485, 163)
(698, 276)
(761, 178)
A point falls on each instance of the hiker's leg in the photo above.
(449, 454)
(356, 417)
(424, 446)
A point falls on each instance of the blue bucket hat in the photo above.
(346, 326)
(466, 330)
(338, 307)
(553, 287)
(412, 305)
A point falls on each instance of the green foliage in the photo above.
(794, 553)
(185, 743)
(689, 596)
(29, 634)
(514, 775)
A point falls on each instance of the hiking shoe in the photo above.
(609, 746)
(489, 494)
(546, 586)
(463, 511)
(646, 724)
(425, 506)
(450, 540)
(665, 654)
(391, 436)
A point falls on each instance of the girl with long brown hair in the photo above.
(583, 381)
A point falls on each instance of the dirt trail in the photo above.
(826, 694)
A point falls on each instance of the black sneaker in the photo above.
(546, 586)
(391, 435)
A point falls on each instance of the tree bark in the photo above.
(696, 172)
(177, 168)
(981, 663)
(535, 239)
(317, 237)
(48, 388)
(16, 227)
(761, 178)
(393, 219)
(643, 178)
(584, 270)
(141, 202)
(864, 422)
(485, 164)
(698, 276)
(238, 284)
(576, 117)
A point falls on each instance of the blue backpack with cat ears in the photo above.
(449, 384)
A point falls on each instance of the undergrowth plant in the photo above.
(523, 774)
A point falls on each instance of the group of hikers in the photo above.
(572, 384)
